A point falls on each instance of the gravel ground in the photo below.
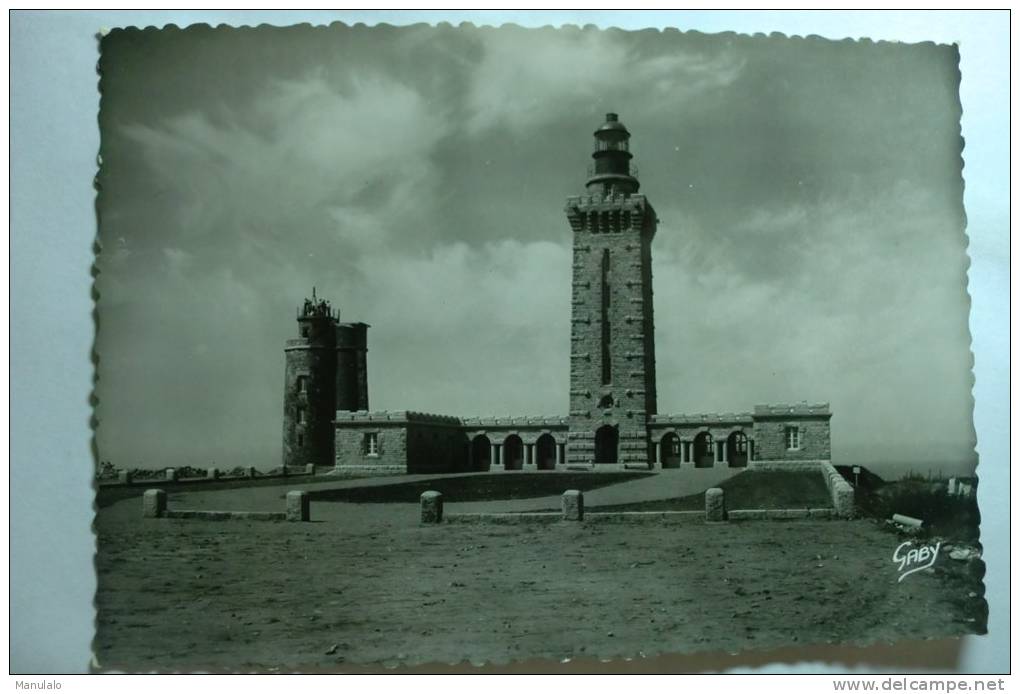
(366, 584)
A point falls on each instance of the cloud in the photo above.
(526, 78)
(281, 171)
(479, 329)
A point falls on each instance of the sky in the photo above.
(811, 244)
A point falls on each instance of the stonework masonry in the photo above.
(410, 442)
(326, 371)
(612, 353)
(613, 422)
(776, 427)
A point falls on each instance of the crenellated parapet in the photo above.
(360, 417)
(802, 409)
(537, 422)
(707, 419)
(510, 422)
(611, 213)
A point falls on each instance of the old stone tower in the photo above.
(612, 350)
(326, 371)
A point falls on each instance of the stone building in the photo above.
(326, 372)
(613, 422)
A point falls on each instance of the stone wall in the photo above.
(771, 423)
(436, 447)
(841, 491)
(352, 449)
(787, 465)
(410, 441)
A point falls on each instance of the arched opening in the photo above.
(704, 450)
(545, 452)
(607, 441)
(670, 450)
(481, 453)
(513, 453)
(736, 449)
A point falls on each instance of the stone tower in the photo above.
(612, 350)
(351, 366)
(325, 372)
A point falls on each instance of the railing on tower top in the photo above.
(631, 171)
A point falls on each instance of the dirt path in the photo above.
(667, 485)
(371, 581)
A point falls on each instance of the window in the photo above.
(792, 439)
(300, 441)
(305, 332)
(372, 443)
(740, 443)
(300, 415)
(302, 384)
(607, 375)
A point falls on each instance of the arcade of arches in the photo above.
(511, 452)
(704, 450)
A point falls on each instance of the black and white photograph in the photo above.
(449, 345)
(443, 344)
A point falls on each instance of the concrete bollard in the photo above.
(310, 469)
(250, 472)
(715, 505)
(153, 503)
(298, 506)
(171, 474)
(212, 473)
(572, 502)
(431, 507)
(124, 477)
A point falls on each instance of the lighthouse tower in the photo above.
(612, 342)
